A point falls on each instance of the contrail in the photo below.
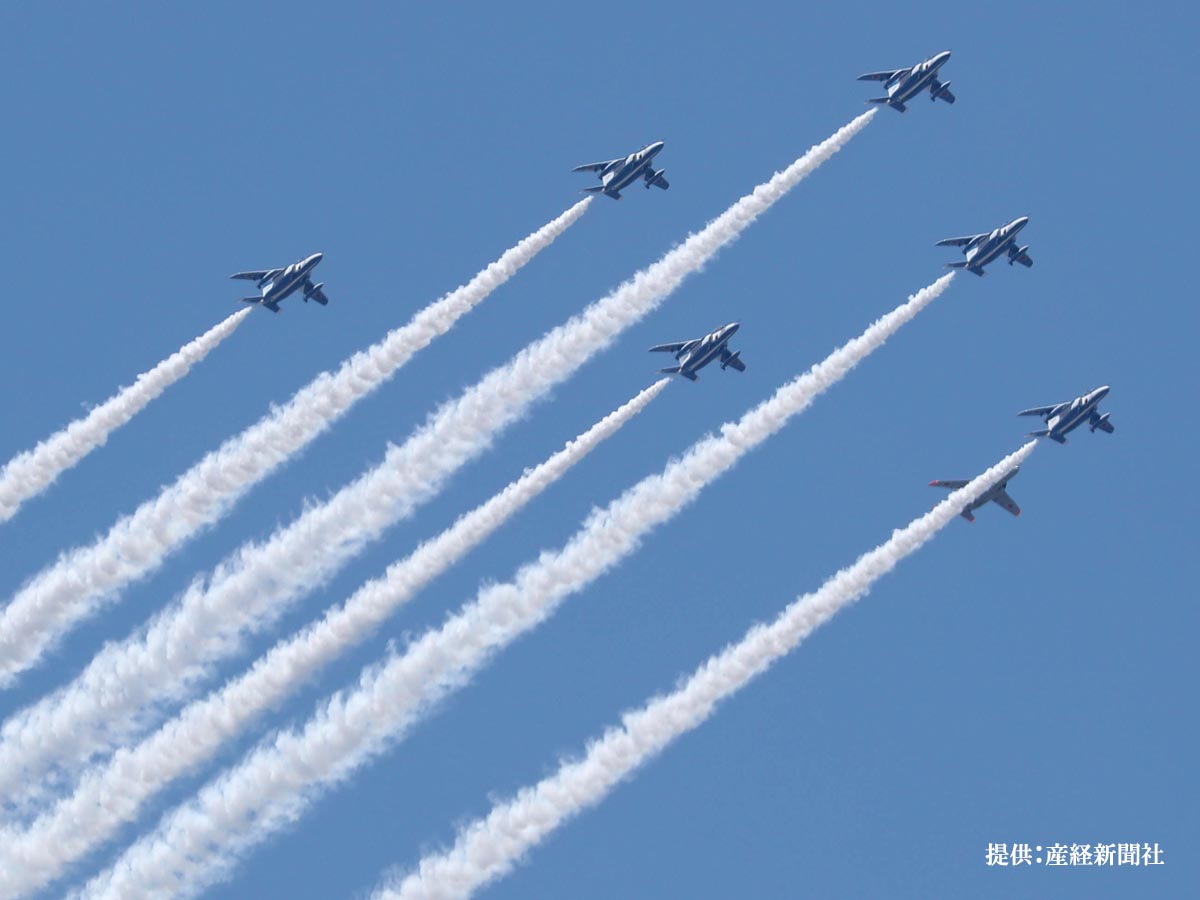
(83, 579)
(113, 794)
(31, 472)
(102, 708)
(489, 848)
(201, 841)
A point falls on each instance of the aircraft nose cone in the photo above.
(316, 258)
(1020, 223)
(1101, 392)
(656, 146)
(732, 327)
(942, 57)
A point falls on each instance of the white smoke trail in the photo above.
(28, 474)
(102, 707)
(83, 579)
(201, 841)
(113, 793)
(489, 848)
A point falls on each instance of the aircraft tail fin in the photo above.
(678, 370)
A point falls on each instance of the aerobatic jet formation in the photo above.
(276, 284)
(696, 354)
(996, 494)
(904, 84)
(981, 249)
(1065, 417)
(617, 174)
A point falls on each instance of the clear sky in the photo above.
(1021, 680)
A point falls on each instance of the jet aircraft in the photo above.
(1065, 417)
(276, 284)
(981, 249)
(904, 84)
(617, 174)
(996, 494)
(697, 354)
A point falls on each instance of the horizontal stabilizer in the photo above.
(899, 107)
(1053, 437)
(965, 265)
(678, 370)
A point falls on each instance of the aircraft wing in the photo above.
(733, 360)
(1007, 502)
(1039, 410)
(672, 348)
(958, 241)
(314, 292)
(1023, 259)
(255, 276)
(953, 484)
(939, 91)
(880, 76)
(1102, 423)
(595, 167)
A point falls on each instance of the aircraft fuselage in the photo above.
(275, 286)
(710, 347)
(1066, 417)
(994, 245)
(623, 173)
(903, 87)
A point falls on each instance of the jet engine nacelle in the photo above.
(1013, 254)
(654, 176)
(1100, 421)
(942, 90)
(316, 287)
(732, 358)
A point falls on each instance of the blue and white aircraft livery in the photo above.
(276, 284)
(696, 354)
(981, 249)
(617, 174)
(1065, 417)
(904, 84)
(996, 494)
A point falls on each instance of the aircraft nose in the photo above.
(732, 327)
(316, 258)
(1020, 223)
(1101, 392)
(942, 57)
(656, 146)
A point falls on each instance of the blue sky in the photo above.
(1019, 680)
